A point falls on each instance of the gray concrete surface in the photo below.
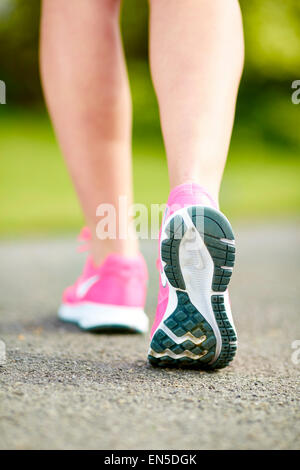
(61, 388)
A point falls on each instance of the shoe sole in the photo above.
(198, 253)
(90, 316)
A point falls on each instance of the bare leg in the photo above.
(196, 53)
(86, 88)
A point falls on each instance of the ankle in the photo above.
(193, 189)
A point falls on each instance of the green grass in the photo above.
(261, 178)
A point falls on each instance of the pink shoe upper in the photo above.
(181, 196)
(118, 281)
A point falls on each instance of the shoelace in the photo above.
(84, 239)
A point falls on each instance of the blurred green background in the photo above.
(262, 175)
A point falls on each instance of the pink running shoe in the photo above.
(193, 324)
(111, 296)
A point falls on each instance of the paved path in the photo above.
(62, 388)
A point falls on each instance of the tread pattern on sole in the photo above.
(185, 319)
(218, 237)
(229, 339)
(213, 227)
(170, 252)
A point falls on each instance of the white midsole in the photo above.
(90, 315)
(197, 268)
(170, 353)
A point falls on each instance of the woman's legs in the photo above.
(196, 54)
(86, 88)
(196, 51)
